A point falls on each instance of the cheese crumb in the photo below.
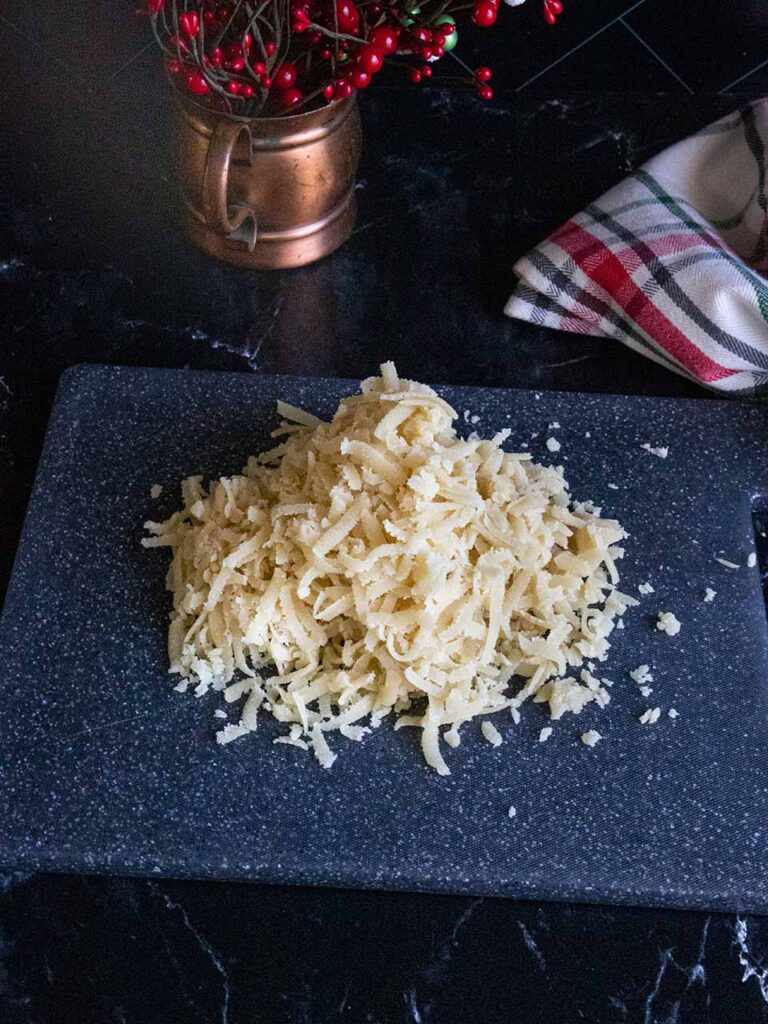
(591, 738)
(491, 733)
(553, 444)
(650, 716)
(613, 487)
(673, 712)
(725, 562)
(155, 490)
(641, 674)
(668, 623)
(512, 812)
(709, 594)
(646, 691)
(661, 453)
(752, 560)
(554, 425)
(218, 713)
(646, 588)
(231, 732)
(545, 733)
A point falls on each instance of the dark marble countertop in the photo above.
(92, 269)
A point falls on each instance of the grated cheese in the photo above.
(545, 733)
(751, 560)
(591, 738)
(155, 490)
(380, 563)
(727, 563)
(668, 623)
(553, 445)
(660, 453)
(709, 595)
(650, 716)
(646, 588)
(641, 674)
(491, 733)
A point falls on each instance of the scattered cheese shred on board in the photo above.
(650, 716)
(668, 623)
(491, 733)
(660, 453)
(751, 560)
(727, 563)
(590, 738)
(545, 733)
(709, 595)
(380, 564)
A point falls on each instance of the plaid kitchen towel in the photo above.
(673, 261)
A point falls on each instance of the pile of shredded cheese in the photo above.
(380, 564)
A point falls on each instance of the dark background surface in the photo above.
(92, 269)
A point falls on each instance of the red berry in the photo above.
(343, 90)
(359, 79)
(426, 52)
(237, 64)
(233, 88)
(155, 6)
(325, 55)
(384, 39)
(415, 75)
(484, 14)
(483, 74)
(485, 92)
(315, 38)
(259, 68)
(284, 77)
(369, 59)
(289, 97)
(209, 20)
(266, 82)
(174, 66)
(246, 91)
(423, 35)
(189, 23)
(247, 42)
(347, 16)
(556, 6)
(216, 57)
(269, 48)
(196, 84)
(549, 17)
(447, 28)
(438, 51)
(426, 71)
(328, 92)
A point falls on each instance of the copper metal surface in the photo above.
(269, 192)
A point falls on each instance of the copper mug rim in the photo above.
(294, 123)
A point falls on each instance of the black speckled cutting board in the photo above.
(106, 768)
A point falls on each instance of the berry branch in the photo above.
(277, 57)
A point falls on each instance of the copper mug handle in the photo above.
(218, 214)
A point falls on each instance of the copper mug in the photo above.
(268, 192)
